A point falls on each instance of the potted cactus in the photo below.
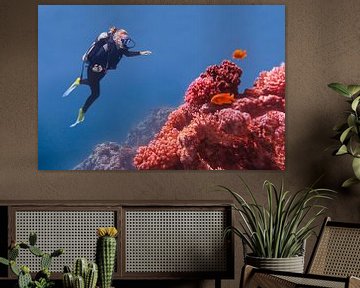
(42, 278)
(106, 254)
(84, 275)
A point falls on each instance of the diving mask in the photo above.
(127, 42)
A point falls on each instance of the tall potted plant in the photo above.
(276, 233)
(348, 133)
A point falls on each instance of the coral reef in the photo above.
(114, 156)
(145, 131)
(247, 134)
(109, 156)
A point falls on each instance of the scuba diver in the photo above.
(104, 54)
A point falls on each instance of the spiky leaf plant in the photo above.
(348, 133)
(279, 229)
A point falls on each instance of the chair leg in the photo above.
(217, 283)
(246, 274)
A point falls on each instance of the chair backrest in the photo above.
(337, 251)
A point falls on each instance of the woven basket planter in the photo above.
(291, 264)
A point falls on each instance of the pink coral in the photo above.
(216, 79)
(161, 154)
(248, 134)
(270, 82)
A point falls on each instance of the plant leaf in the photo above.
(340, 88)
(14, 268)
(351, 119)
(356, 167)
(355, 103)
(354, 145)
(349, 182)
(248, 190)
(345, 134)
(4, 261)
(353, 90)
(342, 150)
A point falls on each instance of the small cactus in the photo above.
(13, 253)
(79, 282)
(68, 280)
(32, 239)
(90, 272)
(24, 278)
(36, 251)
(80, 268)
(44, 273)
(91, 276)
(45, 261)
(57, 252)
(14, 268)
(106, 254)
(25, 269)
(67, 269)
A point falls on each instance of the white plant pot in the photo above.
(291, 264)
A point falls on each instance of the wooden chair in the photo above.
(335, 262)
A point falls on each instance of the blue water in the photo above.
(184, 41)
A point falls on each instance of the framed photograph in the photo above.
(164, 87)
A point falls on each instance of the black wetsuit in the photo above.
(106, 54)
(93, 80)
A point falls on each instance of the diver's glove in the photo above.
(147, 52)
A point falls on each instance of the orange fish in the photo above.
(239, 54)
(223, 98)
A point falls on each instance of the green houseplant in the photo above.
(348, 133)
(42, 278)
(276, 233)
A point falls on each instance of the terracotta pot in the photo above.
(291, 264)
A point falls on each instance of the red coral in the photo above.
(216, 79)
(257, 106)
(161, 153)
(248, 134)
(268, 132)
(203, 144)
(269, 82)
